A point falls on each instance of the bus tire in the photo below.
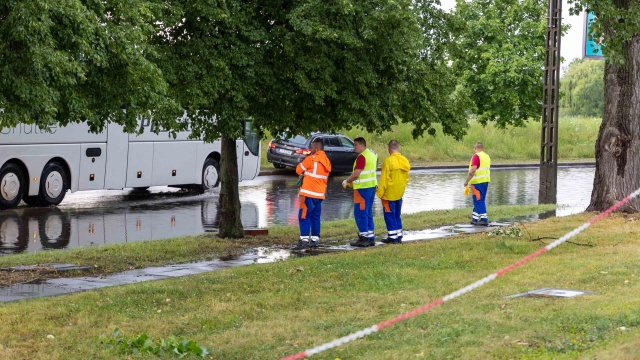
(54, 183)
(12, 186)
(210, 175)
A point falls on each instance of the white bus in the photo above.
(39, 166)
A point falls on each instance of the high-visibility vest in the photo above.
(483, 172)
(316, 169)
(367, 178)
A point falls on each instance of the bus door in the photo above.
(116, 156)
(250, 152)
(240, 157)
(140, 164)
(93, 161)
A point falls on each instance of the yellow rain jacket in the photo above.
(394, 177)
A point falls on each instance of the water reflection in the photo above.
(37, 229)
(107, 217)
(437, 190)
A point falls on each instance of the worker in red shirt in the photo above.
(364, 182)
(478, 179)
(314, 171)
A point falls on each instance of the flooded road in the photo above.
(106, 217)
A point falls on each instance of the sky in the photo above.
(570, 44)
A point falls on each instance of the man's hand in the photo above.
(344, 183)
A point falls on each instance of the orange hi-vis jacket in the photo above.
(316, 169)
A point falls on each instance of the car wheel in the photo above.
(54, 183)
(12, 186)
(210, 176)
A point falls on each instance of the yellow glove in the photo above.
(466, 190)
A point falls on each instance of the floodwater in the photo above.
(106, 217)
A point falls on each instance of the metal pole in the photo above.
(549, 140)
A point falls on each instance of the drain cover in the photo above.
(550, 292)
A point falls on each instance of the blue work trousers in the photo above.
(309, 216)
(363, 211)
(479, 194)
(391, 211)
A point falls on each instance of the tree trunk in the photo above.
(618, 144)
(229, 205)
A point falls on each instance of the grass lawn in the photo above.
(271, 310)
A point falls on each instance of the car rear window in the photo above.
(298, 139)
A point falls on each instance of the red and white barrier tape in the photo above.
(464, 290)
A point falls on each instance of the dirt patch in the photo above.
(8, 278)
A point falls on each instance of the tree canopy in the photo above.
(74, 61)
(498, 55)
(342, 64)
(582, 88)
(303, 66)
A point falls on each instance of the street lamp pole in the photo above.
(549, 140)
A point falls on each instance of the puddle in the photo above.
(60, 286)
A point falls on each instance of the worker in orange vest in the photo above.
(314, 171)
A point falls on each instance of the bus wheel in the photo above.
(210, 175)
(11, 186)
(53, 184)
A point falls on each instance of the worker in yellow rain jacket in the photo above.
(314, 171)
(478, 178)
(393, 181)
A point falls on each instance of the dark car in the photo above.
(290, 152)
